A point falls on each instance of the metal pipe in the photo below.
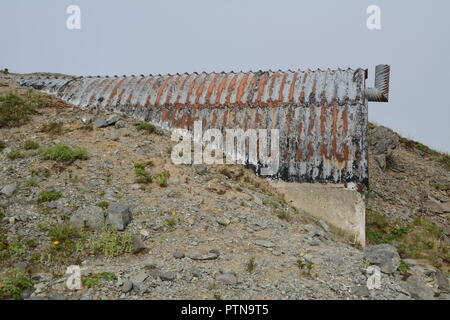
(381, 91)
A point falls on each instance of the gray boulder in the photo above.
(382, 142)
(100, 123)
(9, 190)
(418, 289)
(91, 217)
(119, 215)
(385, 256)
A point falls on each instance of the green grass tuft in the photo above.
(63, 153)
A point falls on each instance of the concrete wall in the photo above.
(340, 207)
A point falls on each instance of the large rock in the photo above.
(8, 190)
(385, 256)
(382, 142)
(418, 289)
(119, 215)
(91, 217)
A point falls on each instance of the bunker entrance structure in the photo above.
(321, 115)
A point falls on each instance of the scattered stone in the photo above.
(178, 254)
(167, 276)
(324, 225)
(383, 141)
(385, 256)
(127, 286)
(138, 245)
(360, 291)
(265, 243)
(91, 217)
(315, 231)
(201, 169)
(120, 124)
(139, 278)
(227, 279)
(435, 206)
(411, 262)
(119, 215)
(223, 221)
(112, 120)
(442, 281)
(210, 255)
(100, 123)
(418, 289)
(9, 190)
(196, 272)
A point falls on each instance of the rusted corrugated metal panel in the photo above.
(322, 115)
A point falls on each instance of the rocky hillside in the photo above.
(99, 191)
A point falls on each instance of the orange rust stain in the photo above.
(323, 119)
(280, 93)
(241, 88)
(261, 87)
(191, 88)
(291, 89)
(130, 96)
(198, 93)
(250, 87)
(312, 119)
(230, 89)
(164, 115)
(116, 87)
(345, 120)
(170, 89)
(177, 100)
(211, 87)
(220, 89)
(272, 83)
(225, 118)
(214, 119)
(310, 150)
(161, 90)
(324, 151)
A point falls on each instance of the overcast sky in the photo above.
(170, 36)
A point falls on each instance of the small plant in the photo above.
(404, 267)
(16, 250)
(32, 182)
(4, 71)
(95, 279)
(171, 222)
(110, 243)
(88, 127)
(162, 178)
(30, 145)
(12, 285)
(52, 127)
(304, 266)
(283, 215)
(47, 196)
(251, 265)
(103, 204)
(2, 145)
(63, 153)
(142, 175)
(147, 127)
(365, 263)
(14, 155)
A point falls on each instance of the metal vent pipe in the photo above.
(381, 91)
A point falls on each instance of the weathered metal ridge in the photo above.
(322, 115)
(264, 89)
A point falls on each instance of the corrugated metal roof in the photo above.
(258, 89)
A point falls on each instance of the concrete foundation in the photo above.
(338, 206)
